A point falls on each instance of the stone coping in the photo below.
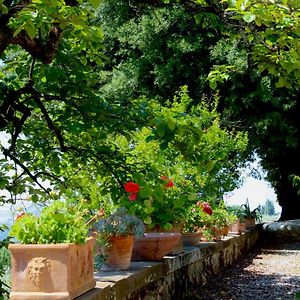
(122, 284)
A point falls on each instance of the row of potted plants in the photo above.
(63, 228)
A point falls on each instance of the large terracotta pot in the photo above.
(250, 223)
(54, 271)
(118, 253)
(191, 238)
(154, 246)
(178, 248)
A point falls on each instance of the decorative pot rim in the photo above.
(46, 246)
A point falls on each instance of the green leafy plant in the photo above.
(237, 211)
(58, 223)
(4, 265)
(197, 218)
(119, 223)
(248, 213)
(159, 203)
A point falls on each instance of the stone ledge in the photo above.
(174, 277)
(283, 230)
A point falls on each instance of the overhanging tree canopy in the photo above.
(62, 128)
(247, 49)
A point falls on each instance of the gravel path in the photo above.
(270, 273)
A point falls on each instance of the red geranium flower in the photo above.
(169, 184)
(20, 215)
(164, 178)
(206, 208)
(132, 196)
(131, 187)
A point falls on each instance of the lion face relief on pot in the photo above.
(38, 270)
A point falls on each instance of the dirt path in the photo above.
(270, 273)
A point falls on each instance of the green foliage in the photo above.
(185, 147)
(120, 223)
(4, 266)
(196, 219)
(58, 223)
(272, 30)
(268, 208)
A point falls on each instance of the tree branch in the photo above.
(7, 153)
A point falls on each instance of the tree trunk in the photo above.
(289, 201)
(287, 193)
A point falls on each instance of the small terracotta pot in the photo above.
(217, 234)
(118, 253)
(238, 227)
(154, 246)
(191, 238)
(250, 223)
(225, 230)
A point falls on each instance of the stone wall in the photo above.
(176, 277)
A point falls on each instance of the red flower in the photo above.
(131, 187)
(132, 196)
(169, 184)
(206, 208)
(20, 215)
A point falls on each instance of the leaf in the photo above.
(30, 28)
(192, 196)
(3, 183)
(95, 3)
(148, 220)
(248, 17)
(213, 85)
(150, 138)
(3, 9)
(171, 124)
(149, 209)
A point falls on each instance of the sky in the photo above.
(256, 191)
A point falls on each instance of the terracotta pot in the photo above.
(178, 248)
(217, 234)
(54, 271)
(192, 238)
(250, 223)
(118, 253)
(154, 246)
(225, 230)
(237, 227)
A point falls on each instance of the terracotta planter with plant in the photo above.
(250, 216)
(196, 218)
(55, 259)
(115, 238)
(158, 204)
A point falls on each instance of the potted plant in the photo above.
(160, 204)
(194, 222)
(54, 259)
(115, 236)
(238, 226)
(250, 216)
